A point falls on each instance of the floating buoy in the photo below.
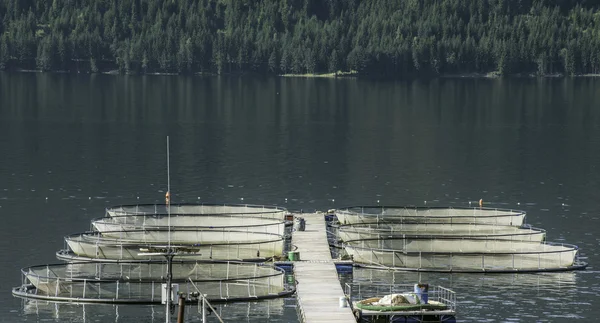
(480, 202)
(167, 198)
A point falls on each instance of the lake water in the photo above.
(72, 145)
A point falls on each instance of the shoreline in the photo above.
(339, 74)
(323, 75)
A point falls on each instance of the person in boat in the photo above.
(422, 292)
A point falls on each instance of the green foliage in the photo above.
(303, 36)
(284, 65)
(45, 54)
(333, 66)
(93, 66)
(273, 61)
(4, 55)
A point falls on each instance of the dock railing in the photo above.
(205, 303)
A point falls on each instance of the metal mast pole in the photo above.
(169, 192)
(169, 255)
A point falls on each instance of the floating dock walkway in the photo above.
(318, 289)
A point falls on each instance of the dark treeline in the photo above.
(373, 37)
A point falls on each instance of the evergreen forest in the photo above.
(390, 38)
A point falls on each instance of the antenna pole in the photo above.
(168, 168)
(169, 192)
(169, 254)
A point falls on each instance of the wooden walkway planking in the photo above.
(318, 288)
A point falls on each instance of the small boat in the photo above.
(425, 304)
(398, 214)
(398, 302)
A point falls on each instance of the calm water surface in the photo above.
(72, 145)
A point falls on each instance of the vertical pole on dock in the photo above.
(169, 255)
(170, 252)
(180, 315)
(203, 308)
(168, 303)
(168, 199)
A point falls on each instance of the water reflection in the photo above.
(272, 310)
(89, 142)
(479, 281)
(541, 297)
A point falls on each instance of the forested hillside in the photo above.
(374, 37)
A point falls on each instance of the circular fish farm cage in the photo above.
(142, 282)
(399, 214)
(463, 255)
(434, 230)
(189, 221)
(200, 244)
(264, 211)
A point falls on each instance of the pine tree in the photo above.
(281, 36)
(333, 62)
(45, 55)
(273, 61)
(310, 62)
(145, 62)
(93, 66)
(284, 65)
(4, 53)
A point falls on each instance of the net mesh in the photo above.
(199, 244)
(183, 221)
(385, 230)
(430, 215)
(200, 209)
(440, 256)
(142, 282)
